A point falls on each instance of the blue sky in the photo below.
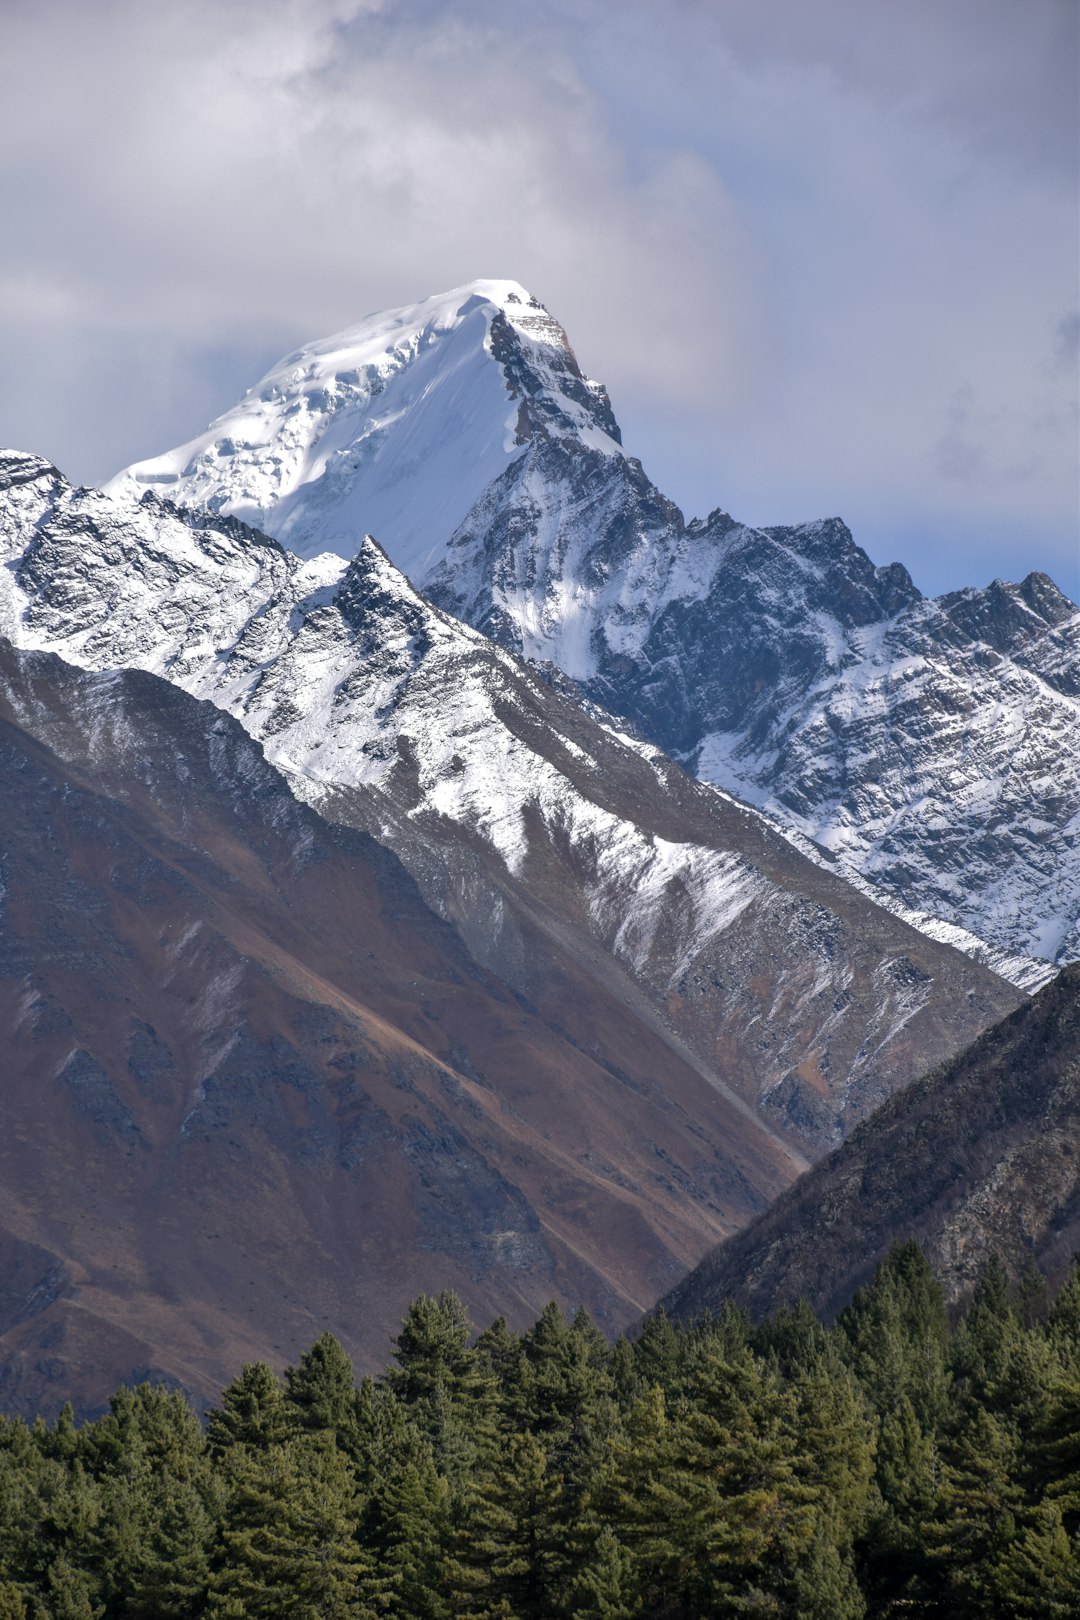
(824, 256)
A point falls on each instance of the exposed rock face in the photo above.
(982, 1155)
(932, 746)
(941, 765)
(562, 850)
(253, 1088)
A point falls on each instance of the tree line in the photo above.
(897, 1463)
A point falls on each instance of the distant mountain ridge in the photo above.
(932, 746)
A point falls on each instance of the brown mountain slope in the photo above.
(981, 1155)
(253, 1088)
(573, 861)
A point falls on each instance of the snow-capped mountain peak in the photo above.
(395, 426)
(930, 746)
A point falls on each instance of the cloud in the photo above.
(213, 172)
(787, 237)
(1067, 342)
(957, 453)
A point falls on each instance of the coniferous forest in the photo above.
(898, 1463)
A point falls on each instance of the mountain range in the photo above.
(533, 826)
(519, 902)
(686, 1007)
(932, 747)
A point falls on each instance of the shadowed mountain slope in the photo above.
(982, 1155)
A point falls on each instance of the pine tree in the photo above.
(566, 1397)
(252, 1412)
(1038, 1575)
(509, 1555)
(384, 1434)
(605, 1586)
(627, 1497)
(70, 1593)
(158, 1505)
(708, 1500)
(1053, 1452)
(288, 1548)
(743, 1518)
(62, 1442)
(824, 1585)
(1030, 1293)
(170, 1579)
(832, 1439)
(432, 1349)
(27, 1482)
(321, 1390)
(895, 1334)
(627, 1383)
(449, 1391)
(890, 1551)
(793, 1337)
(12, 1602)
(58, 1540)
(996, 1362)
(658, 1352)
(976, 1516)
(405, 1528)
(500, 1357)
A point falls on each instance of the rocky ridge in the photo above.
(253, 1087)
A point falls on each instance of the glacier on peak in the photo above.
(394, 426)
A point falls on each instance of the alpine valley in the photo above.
(518, 901)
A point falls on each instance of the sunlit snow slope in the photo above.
(394, 427)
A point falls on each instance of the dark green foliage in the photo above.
(509, 1549)
(321, 1389)
(252, 1412)
(12, 1602)
(448, 1388)
(287, 1546)
(892, 1465)
(896, 1336)
(606, 1585)
(565, 1396)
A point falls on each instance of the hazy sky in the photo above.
(823, 252)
